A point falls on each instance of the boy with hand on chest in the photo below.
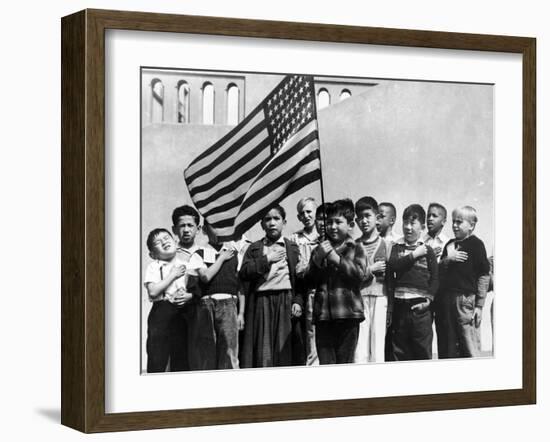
(219, 308)
(165, 282)
(413, 267)
(465, 276)
(337, 267)
(372, 332)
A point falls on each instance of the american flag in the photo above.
(271, 154)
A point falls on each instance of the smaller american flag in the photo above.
(271, 154)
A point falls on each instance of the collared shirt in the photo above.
(189, 257)
(278, 277)
(438, 241)
(240, 246)
(306, 243)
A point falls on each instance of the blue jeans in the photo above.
(214, 335)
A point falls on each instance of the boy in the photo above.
(306, 239)
(165, 285)
(372, 331)
(337, 267)
(435, 221)
(413, 265)
(215, 334)
(464, 282)
(185, 225)
(385, 221)
(270, 266)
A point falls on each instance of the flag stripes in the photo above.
(271, 154)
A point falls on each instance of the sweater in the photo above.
(419, 276)
(464, 277)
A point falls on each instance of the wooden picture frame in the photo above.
(83, 219)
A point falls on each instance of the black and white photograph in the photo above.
(303, 220)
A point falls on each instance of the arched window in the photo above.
(157, 101)
(208, 103)
(232, 105)
(183, 102)
(323, 99)
(345, 94)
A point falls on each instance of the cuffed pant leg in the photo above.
(445, 325)
(421, 335)
(227, 333)
(469, 338)
(378, 328)
(311, 348)
(324, 340)
(159, 326)
(347, 334)
(202, 336)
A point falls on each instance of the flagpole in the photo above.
(320, 162)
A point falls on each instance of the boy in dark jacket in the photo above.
(336, 269)
(413, 267)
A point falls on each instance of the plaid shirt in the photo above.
(337, 293)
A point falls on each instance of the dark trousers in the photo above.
(411, 331)
(336, 341)
(167, 337)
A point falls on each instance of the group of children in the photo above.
(319, 296)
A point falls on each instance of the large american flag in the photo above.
(271, 154)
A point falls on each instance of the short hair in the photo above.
(415, 211)
(366, 203)
(440, 207)
(153, 235)
(276, 207)
(321, 210)
(185, 210)
(468, 212)
(343, 207)
(390, 205)
(304, 201)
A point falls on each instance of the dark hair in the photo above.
(390, 205)
(153, 235)
(322, 209)
(415, 211)
(185, 210)
(366, 203)
(343, 207)
(276, 207)
(440, 207)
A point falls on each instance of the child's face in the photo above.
(338, 228)
(320, 224)
(435, 220)
(462, 227)
(366, 221)
(412, 228)
(273, 224)
(164, 247)
(186, 229)
(307, 215)
(384, 220)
